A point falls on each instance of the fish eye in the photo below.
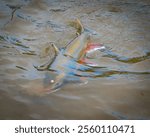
(52, 81)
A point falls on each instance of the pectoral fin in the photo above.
(43, 66)
(46, 66)
(55, 48)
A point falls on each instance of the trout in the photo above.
(69, 60)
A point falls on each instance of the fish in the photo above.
(69, 62)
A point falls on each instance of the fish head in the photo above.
(53, 83)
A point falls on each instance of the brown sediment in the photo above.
(121, 25)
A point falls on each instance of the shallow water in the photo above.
(26, 29)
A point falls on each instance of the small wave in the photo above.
(124, 59)
(16, 43)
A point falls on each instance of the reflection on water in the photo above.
(117, 88)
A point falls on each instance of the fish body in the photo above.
(76, 48)
(68, 61)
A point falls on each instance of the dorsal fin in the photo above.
(79, 26)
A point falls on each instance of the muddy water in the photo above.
(26, 29)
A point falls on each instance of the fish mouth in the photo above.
(51, 90)
(57, 86)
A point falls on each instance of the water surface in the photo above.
(26, 29)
